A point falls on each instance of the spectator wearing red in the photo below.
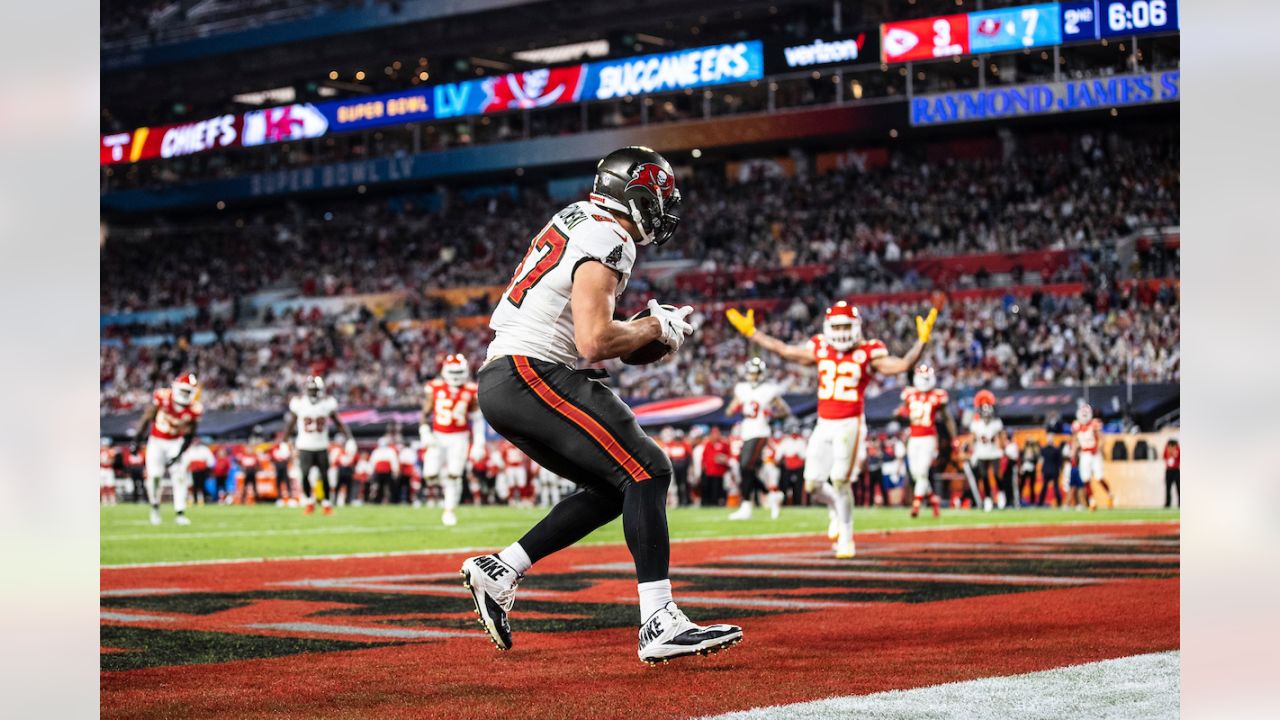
(249, 463)
(680, 454)
(715, 464)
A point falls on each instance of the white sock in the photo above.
(452, 492)
(844, 512)
(653, 595)
(179, 494)
(517, 558)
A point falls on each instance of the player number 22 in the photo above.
(838, 381)
(545, 252)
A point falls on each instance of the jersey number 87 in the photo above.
(838, 381)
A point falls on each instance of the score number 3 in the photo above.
(838, 381)
(548, 248)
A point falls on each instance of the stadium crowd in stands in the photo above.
(1070, 191)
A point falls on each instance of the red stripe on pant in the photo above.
(573, 414)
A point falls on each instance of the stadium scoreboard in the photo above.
(1022, 27)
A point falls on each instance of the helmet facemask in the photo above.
(655, 218)
(842, 332)
(1084, 413)
(315, 388)
(454, 371)
(754, 371)
(184, 390)
(924, 379)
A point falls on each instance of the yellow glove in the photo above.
(745, 324)
(924, 326)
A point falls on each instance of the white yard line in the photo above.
(1141, 686)
(722, 538)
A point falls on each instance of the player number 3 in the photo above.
(838, 381)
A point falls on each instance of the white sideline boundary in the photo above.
(1140, 686)
(718, 538)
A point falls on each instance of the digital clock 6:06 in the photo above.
(1135, 17)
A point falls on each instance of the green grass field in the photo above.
(239, 532)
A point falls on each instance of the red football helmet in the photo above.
(454, 369)
(985, 403)
(842, 326)
(184, 389)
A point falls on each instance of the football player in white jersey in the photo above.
(309, 417)
(759, 402)
(559, 306)
(985, 459)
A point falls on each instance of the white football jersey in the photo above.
(534, 316)
(313, 421)
(757, 407)
(984, 438)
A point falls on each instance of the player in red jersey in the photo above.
(173, 416)
(1086, 437)
(451, 425)
(845, 363)
(922, 404)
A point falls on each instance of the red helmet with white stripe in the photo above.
(842, 327)
(454, 369)
(184, 389)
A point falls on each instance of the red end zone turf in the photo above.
(395, 637)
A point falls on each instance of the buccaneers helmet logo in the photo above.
(655, 179)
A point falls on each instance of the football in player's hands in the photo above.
(654, 350)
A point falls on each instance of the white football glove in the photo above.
(675, 327)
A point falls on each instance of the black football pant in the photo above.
(712, 490)
(680, 473)
(792, 484)
(319, 460)
(571, 423)
(1051, 480)
(749, 468)
(1172, 481)
(283, 484)
(346, 479)
(249, 484)
(381, 484)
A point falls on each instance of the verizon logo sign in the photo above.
(820, 52)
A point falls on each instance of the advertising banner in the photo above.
(169, 141)
(1045, 98)
(698, 67)
(793, 55)
(545, 87)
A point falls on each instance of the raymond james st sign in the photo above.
(1044, 98)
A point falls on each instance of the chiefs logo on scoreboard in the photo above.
(925, 39)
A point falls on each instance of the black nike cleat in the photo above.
(493, 588)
